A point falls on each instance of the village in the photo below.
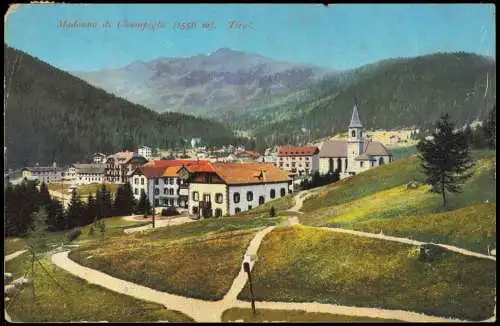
(219, 182)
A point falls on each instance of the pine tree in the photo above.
(469, 137)
(446, 158)
(490, 128)
(143, 207)
(91, 209)
(75, 211)
(44, 197)
(129, 201)
(119, 202)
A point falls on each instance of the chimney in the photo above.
(263, 175)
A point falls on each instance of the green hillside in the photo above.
(390, 94)
(52, 115)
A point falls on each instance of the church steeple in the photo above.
(355, 121)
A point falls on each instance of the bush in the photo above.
(73, 234)
(170, 211)
(412, 185)
(91, 230)
(272, 212)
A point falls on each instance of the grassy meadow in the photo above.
(292, 316)
(303, 264)
(472, 227)
(77, 300)
(83, 190)
(280, 205)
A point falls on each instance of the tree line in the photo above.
(25, 199)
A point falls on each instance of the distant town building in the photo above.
(119, 166)
(298, 160)
(145, 152)
(89, 173)
(99, 158)
(45, 174)
(195, 142)
(224, 189)
(354, 155)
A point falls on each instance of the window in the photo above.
(236, 197)
(136, 191)
(171, 191)
(157, 191)
(281, 164)
(178, 181)
(171, 202)
(171, 181)
(165, 181)
(218, 212)
(353, 134)
(207, 179)
(249, 196)
(218, 199)
(195, 210)
(283, 192)
(249, 207)
(142, 181)
(372, 163)
(156, 182)
(261, 200)
(136, 181)
(361, 164)
(272, 193)
(196, 196)
(165, 191)
(206, 198)
(237, 210)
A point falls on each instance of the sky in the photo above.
(338, 36)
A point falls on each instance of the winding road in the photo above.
(211, 311)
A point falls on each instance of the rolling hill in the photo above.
(390, 94)
(52, 115)
(212, 85)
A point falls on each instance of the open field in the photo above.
(83, 190)
(472, 227)
(280, 205)
(11, 245)
(200, 268)
(400, 201)
(303, 264)
(77, 300)
(267, 315)
(480, 188)
(114, 227)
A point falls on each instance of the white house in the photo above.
(224, 189)
(145, 152)
(195, 142)
(45, 174)
(89, 173)
(298, 160)
(99, 158)
(354, 155)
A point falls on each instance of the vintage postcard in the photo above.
(250, 163)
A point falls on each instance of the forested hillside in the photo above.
(390, 94)
(52, 115)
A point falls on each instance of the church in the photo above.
(354, 155)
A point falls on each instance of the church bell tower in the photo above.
(355, 140)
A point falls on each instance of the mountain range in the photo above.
(206, 85)
(51, 115)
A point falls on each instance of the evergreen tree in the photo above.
(44, 197)
(490, 128)
(468, 134)
(104, 202)
(91, 209)
(446, 158)
(124, 201)
(118, 204)
(144, 206)
(11, 211)
(76, 211)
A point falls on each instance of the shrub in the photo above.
(170, 211)
(91, 230)
(272, 212)
(412, 185)
(73, 234)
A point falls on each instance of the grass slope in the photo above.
(77, 300)
(83, 190)
(472, 227)
(302, 264)
(200, 267)
(267, 315)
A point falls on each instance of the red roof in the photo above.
(199, 166)
(253, 154)
(250, 173)
(168, 163)
(151, 172)
(298, 151)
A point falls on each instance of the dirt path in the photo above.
(14, 255)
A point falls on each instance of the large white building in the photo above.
(354, 155)
(89, 173)
(224, 189)
(145, 152)
(299, 161)
(45, 174)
